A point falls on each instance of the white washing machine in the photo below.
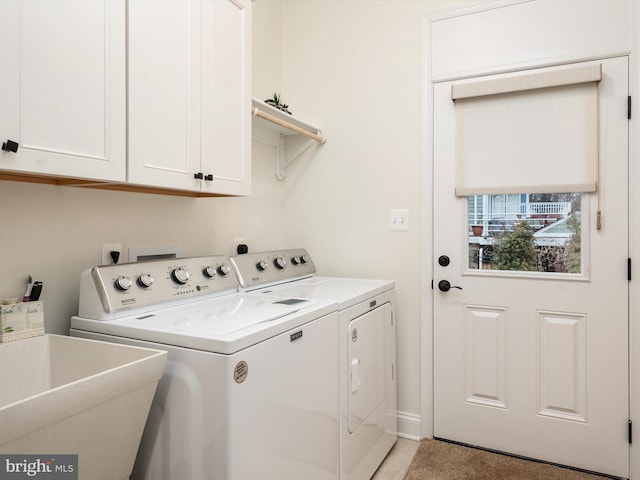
(367, 342)
(251, 384)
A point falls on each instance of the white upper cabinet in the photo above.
(62, 88)
(189, 95)
(226, 97)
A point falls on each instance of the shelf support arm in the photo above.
(281, 162)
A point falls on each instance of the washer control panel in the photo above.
(145, 284)
(255, 270)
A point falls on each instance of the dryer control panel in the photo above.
(109, 290)
(256, 270)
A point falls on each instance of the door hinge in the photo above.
(628, 269)
(629, 107)
(630, 432)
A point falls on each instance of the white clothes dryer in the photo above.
(367, 344)
(251, 384)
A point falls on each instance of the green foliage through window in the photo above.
(573, 245)
(516, 249)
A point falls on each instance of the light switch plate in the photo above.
(399, 219)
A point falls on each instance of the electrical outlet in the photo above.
(399, 219)
(107, 248)
(238, 241)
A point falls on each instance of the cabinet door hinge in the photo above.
(629, 107)
(629, 269)
(630, 432)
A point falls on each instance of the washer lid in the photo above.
(223, 325)
(220, 318)
(346, 292)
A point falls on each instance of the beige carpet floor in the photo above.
(437, 460)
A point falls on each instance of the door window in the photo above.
(525, 232)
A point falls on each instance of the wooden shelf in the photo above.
(269, 124)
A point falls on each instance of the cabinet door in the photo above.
(164, 93)
(226, 96)
(190, 95)
(62, 88)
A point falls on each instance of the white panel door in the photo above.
(535, 363)
(62, 88)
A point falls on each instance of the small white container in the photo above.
(21, 320)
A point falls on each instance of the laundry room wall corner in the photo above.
(361, 79)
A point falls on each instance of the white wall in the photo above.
(53, 233)
(355, 69)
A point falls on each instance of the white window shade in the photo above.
(535, 133)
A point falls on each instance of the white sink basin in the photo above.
(67, 395)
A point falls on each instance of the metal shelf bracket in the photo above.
(281, 161)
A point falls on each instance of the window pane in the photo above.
(525, 232)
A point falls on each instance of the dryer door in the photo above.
(368, 348)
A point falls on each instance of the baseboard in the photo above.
(409, 426)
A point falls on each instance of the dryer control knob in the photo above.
(180, 276)
(304, 259)
(145, 280)
(123, 283)
(224, 269)
(280, 262)
(296, 260)
(262, 265)
(209, 271)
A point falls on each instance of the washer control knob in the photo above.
(295, 260)
(145, 280)
(262, 265)
(224, 269)
(280, 262)
(304, 259)
(180, 276)
(123, 283)
(209, 271)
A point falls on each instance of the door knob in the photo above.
(443, 260)
(445, 286)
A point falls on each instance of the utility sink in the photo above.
(67, 395)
